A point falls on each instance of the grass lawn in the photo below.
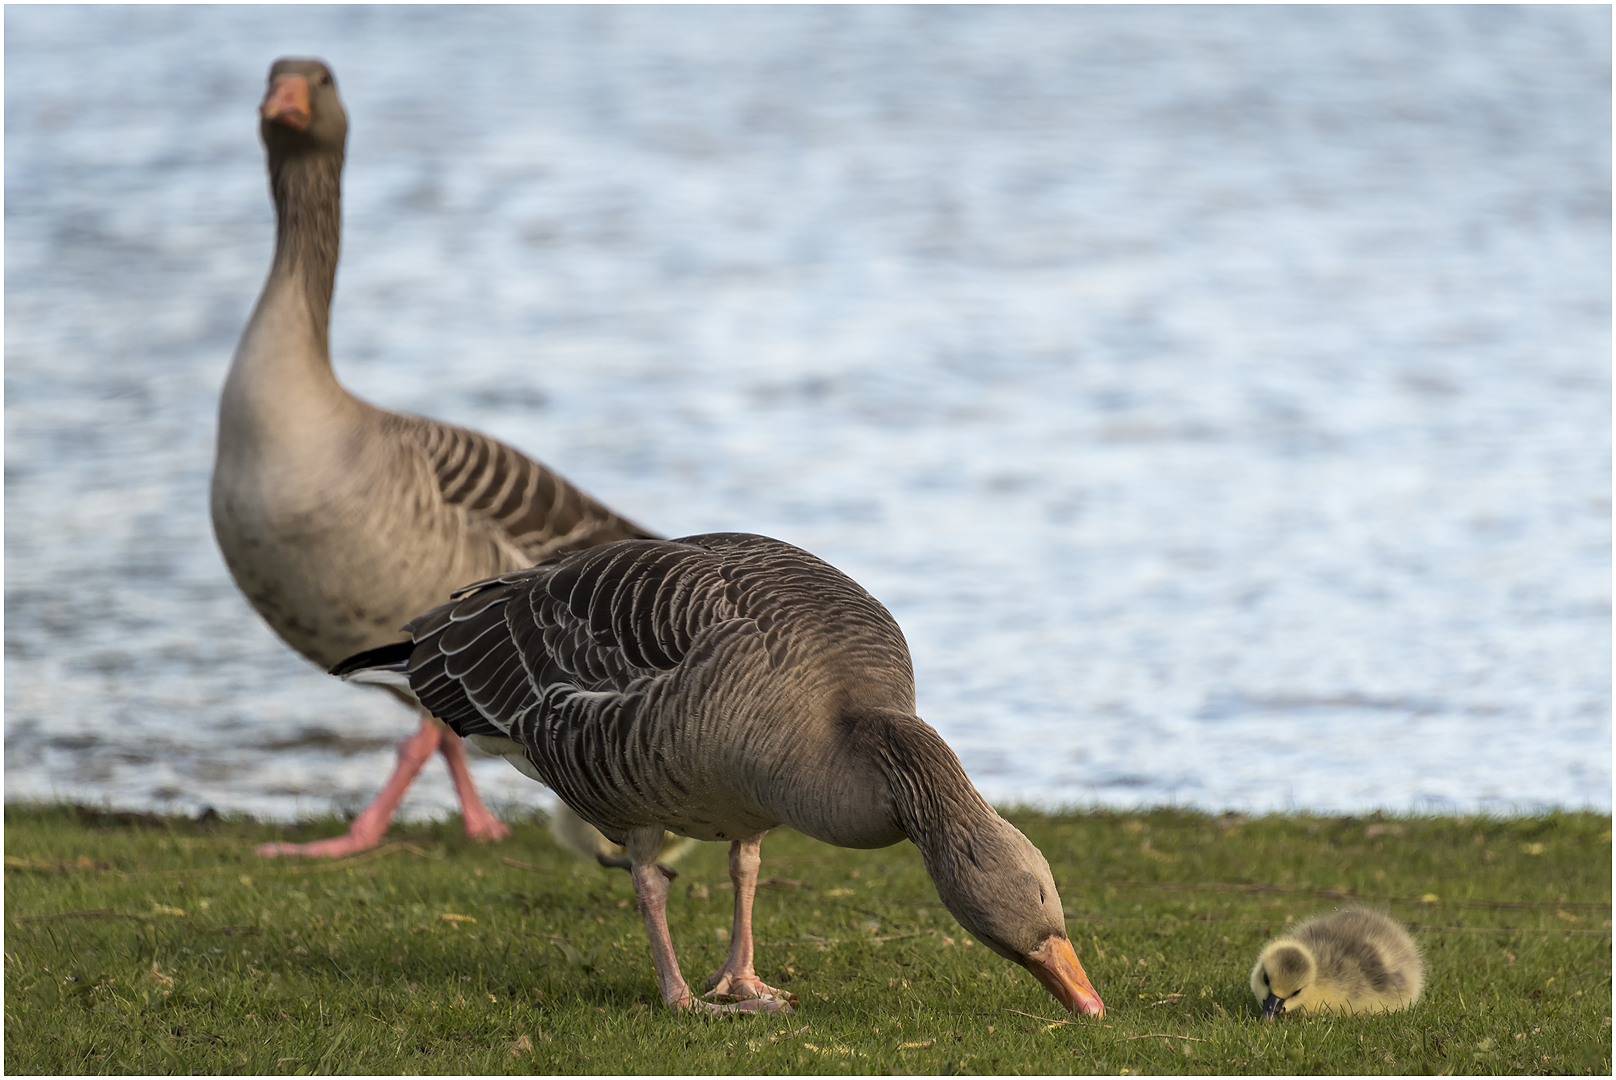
(150, 945)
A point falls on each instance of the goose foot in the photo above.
(487, 831)
(338, 847)
(727, 985)
(370, 826)
(746, 1006)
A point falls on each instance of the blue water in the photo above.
(1219, 397)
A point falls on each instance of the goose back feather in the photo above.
(628, 676)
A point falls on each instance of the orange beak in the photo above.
(288, 102)
(1054, 963)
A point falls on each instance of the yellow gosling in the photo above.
(1352, 960)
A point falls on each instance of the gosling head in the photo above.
(1285, 978)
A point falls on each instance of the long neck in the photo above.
(936, 804)
(987, 873)
(307, 190)
(281, 397)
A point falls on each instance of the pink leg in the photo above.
(651, 886)
(367, 829)
(737, 976)
(480, 824)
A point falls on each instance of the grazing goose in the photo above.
(340, 520)
(718, 686)
(1351, 960)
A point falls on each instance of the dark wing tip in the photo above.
(393, 657)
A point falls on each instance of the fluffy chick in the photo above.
(1351, 960)
(577, 835)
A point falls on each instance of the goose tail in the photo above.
(387, 665)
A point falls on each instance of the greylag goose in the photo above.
(340, 520)
(1352, 960)
(717, 686)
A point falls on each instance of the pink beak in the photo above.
(288, 102)
(1054, 963)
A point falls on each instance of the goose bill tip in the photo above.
(288, 102)
(1055, 964)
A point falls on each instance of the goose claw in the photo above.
(487, 830)
(733, 1005)
(743, 989)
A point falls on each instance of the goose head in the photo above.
(998, 885)
(1285, 978)
(301, 111)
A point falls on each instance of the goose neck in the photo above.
(936, 804)
(280, 391)
(307, 190)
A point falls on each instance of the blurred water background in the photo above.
(1219, 397)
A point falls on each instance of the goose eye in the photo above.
(1265, 978)
(325, 80)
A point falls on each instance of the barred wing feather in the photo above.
(540, 512)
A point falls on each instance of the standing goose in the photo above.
(340, 520)
(718, 686)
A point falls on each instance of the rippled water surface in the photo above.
(1219, 398)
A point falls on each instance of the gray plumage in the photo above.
(1351, 960)
(718, 686)
(339, 520)
(645, 655)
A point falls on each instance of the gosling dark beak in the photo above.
(288, 102)
(1054, 963)
(1272, 1006)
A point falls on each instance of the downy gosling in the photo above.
(581, 838)
(1351, 960)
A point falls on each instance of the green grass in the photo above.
(141, 944)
